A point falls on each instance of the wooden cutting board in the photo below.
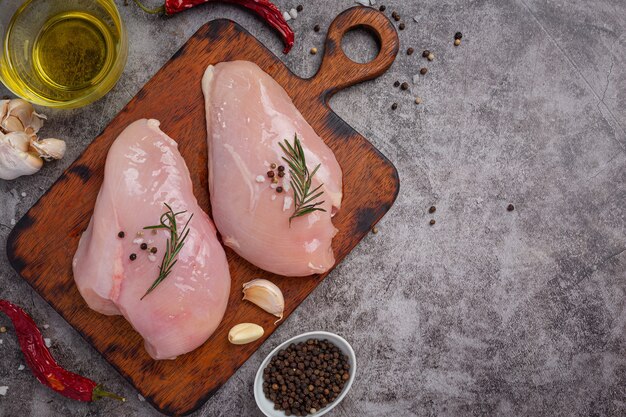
(42, 244)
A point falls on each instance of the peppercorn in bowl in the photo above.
(307, 375)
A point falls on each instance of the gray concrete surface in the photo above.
(486, 313)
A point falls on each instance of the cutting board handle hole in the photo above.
(361, 44)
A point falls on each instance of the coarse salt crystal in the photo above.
(415, 19)
(363, 2)
(138, 241)
(260, 178)
(141, 397)
(287, 203)
(21, 368)
(46, 326)
(12, 222)
(273, 185)
(151, 258)
(47, 342)
(1, 341)
(23, 194)
(372, 2)
(293, 13)
(273, 197)
(3, 390)
(286, 16)
(416, 78)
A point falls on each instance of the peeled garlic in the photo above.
(266, 295)
(49, 149)
(245, 333)
(18, 115)
(15, 160)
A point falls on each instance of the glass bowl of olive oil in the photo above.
(63, 53)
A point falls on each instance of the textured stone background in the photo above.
(488, 312)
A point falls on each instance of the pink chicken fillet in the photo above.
(248, 114)
(143, 171)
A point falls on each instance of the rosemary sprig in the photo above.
(301, 179)
(173, 246)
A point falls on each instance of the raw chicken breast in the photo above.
(143, 171)
(248, 114)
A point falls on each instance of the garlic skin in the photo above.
(15, 160)
(266, 295)
(18, 115)
(49, 149)
(244, 333)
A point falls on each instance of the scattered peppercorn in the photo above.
(153, 250)
(425, 53)
(432, 209)
(121, 235)
(396, 84)
(133, 256)
(281, 174)
(279, 189)
(510, 207)
(432, 221)
(144, 246)
(394, 106)
(423, 71)
(3, 329)
(374, 230)
(273, 165)
(299, 8)
(430, 56)
(395, 16)
(316, 28)
(457, 42)
(418, 100)
(305, 377)
(274, 180)
(404, 86)
(313, 51)
(401, 26)
(270, 174)
(281, 168)
(458, 35)
(410, 51)
(382, 8)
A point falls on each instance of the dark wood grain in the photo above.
(42, 244)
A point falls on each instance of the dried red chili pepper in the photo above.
(43, 365)
(264, 8)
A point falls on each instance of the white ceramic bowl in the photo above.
(267, 406)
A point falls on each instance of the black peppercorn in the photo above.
(401, 26)
(394, 106)
(299, 8)
(458, 35)
(396, 84)
(270, 174)
(432, 209)
(144, 246)
(153, 250)
(121, 235)
(316, 28)
(410, 51)
(382, 8)
(281, 174)
(281, 168)
(279, 189)
(425, 53)
(133, 256)
(404, 86)
(423, 71)
(510, 207)
(432, 221)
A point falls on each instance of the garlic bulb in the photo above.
(15, 159)
(245, 333)
(266, 295)
(49, 149)
(18, 115)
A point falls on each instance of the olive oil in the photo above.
(73, 51)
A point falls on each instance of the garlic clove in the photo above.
(244, 333)
(19, 140)
(15, 162)
(49, 149)
(266, 295)
(19, 115)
